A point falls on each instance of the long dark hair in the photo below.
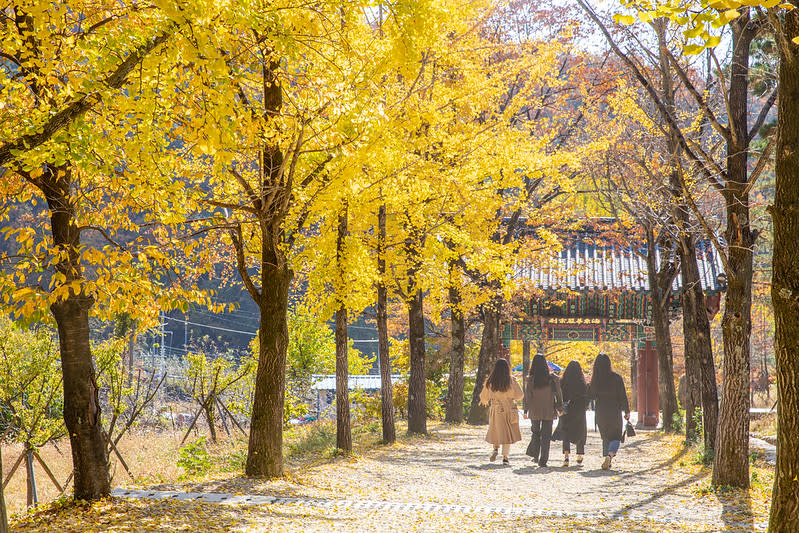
(499, 380)
(539, 372)
(573, 381)
(600, 377)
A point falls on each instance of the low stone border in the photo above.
(252, 499)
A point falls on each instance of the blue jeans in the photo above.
(610, 446)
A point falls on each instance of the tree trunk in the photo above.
(71, 313)
(343, 433)
(700, 368)
(489, 348)
(417, 405)
(784, 515)
(131, 350)
(209, 407)
(417, 415)
(386, 392)
(731, 460)
(454, 412)
(265, 447)
(3, 513)
(660, 279)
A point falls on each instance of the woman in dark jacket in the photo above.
(607, 388)
(542, 401)
(571, 424)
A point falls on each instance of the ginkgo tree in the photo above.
(282, 113)
(87, 199)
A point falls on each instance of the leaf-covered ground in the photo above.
(655, 485)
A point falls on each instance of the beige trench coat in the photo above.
(503, 416)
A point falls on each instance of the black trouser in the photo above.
(538, 448)
(580, 446)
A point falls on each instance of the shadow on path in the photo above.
(656, 495)
(736, 510)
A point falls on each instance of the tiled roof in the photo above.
(584, 265)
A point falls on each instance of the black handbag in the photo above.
(558, 433)
(629, 430)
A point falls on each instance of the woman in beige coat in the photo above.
(501, 391)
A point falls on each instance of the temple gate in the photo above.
(598, 291)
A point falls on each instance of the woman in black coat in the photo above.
(607, 388)
(571, 425)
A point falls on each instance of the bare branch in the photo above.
(761, 118)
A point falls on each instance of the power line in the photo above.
(211, 327)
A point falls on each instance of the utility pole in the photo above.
(163, 336)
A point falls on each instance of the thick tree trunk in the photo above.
(731, 460)
(71, 313)
(700, 369)
(784, 515)
(417, 405)
(489, 348)
(343, 433)
(386, 391)
(454, 411)
(265, 448)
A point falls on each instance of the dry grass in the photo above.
(153, 458)
(150, 456)
(764, 425)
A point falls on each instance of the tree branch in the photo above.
(700, 100)
(11, 150)
(761, 118)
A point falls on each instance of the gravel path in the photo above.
(431, 481)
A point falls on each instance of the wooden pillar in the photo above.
(648, 399)
(634, 374)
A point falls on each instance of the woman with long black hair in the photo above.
(607, 388)
(571, 424)
(501, 391)
(542, 402)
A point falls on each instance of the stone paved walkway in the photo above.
(653, 486)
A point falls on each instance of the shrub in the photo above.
(468, 391)
(435, 398)
(194, 458)
(366, 405)
(676, 421)
(401, 399)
